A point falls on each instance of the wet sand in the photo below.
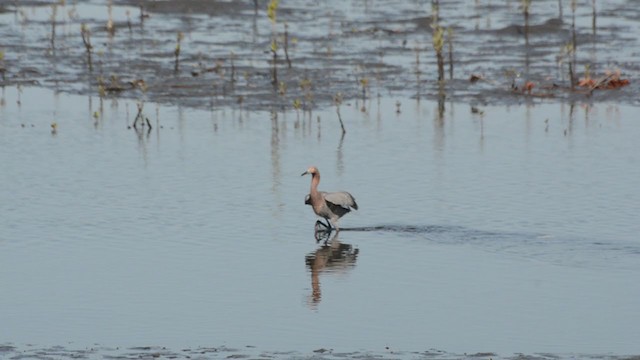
(350, 50)
(250, 352)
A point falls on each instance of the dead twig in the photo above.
(338, 100)
(140, 116)
(86, 39)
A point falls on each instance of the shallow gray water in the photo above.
(505, 230)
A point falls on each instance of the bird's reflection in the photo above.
(332, 257)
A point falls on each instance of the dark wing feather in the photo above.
(340, 199)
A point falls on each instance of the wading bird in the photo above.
(328, 205)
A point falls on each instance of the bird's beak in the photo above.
(305, 173)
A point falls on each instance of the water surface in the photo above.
(502, 230)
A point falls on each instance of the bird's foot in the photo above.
(325, 227)
(321, 234)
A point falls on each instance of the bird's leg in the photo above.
(327, 226)
(321, 224)
(320, 235)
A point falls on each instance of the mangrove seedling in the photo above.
(176, 52)
(571, 53)
(282, 88)
(3, 69)
(593, 16)
(101, 87)
(233, 68)
(364, 83)
(86, 39)
(271, 10)
(128, 13)
(297, 105)
(142, 15)
(526, 4)
(271, 14)
(450, 43)
(111, 29)
(305, 86)
(435, 11)
(509, 73)
(574, 42)
(417, 48)
(274, 70)
(587, 71)
(438, 44)
(54, 12)
(437, 35)
(286, 44)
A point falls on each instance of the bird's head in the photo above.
(312, 170)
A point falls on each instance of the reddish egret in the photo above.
(328, 205)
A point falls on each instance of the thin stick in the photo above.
(450, 42)
(286, 44)
(274, 70)
(177, 52)
(142, 118)
(337, 100)
(86, 39)
(340, 118)
(54, 11)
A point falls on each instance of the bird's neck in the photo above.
(315, 180)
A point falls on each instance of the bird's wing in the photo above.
(340, 198)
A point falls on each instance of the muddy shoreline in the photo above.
(250, 352)
(356, 50)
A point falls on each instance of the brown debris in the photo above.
(610, 81)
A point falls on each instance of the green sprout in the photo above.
(271, 10)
